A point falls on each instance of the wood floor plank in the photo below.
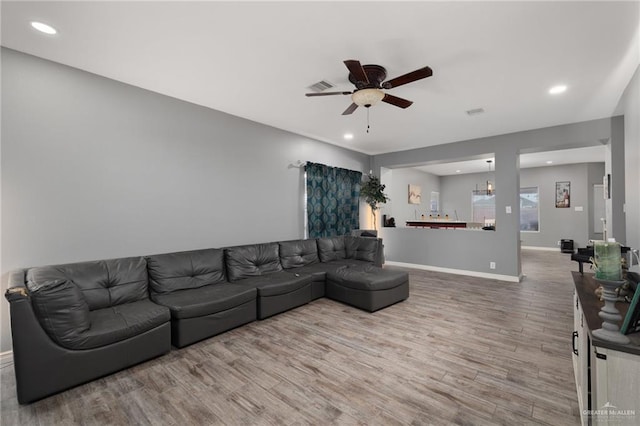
(460, 351)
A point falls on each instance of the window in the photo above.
(484, 208)
(529, 212)
(434, 202)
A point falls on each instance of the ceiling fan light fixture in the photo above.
(367, 97)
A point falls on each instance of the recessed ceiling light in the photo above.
(458, 171)
(558, 89)
(549, 162)
(348, 136)
(44, 28)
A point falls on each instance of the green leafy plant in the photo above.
(373, 193)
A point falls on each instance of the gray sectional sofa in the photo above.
(77, 322)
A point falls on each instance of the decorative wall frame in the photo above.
(563, 195)
(415, 194)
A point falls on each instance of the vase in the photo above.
(608, 260)
(610, 314)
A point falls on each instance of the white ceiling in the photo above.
(255, 60)
(592, 154)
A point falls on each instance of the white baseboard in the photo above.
(499, 277)
(6, 358)
(541, 248)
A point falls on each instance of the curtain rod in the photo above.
(298, 165)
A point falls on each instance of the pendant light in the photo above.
(490, 188)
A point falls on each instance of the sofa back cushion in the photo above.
(298, 253)
(252, 260)
(361, 248)
(331, 248)
(103, 283)
(61, 309)
(184, 270)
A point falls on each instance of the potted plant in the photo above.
(373, 193)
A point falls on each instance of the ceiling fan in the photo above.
(369, 82)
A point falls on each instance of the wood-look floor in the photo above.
(460, 350)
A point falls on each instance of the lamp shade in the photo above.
(367, 97)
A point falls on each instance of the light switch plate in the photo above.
(508, 209)
(579, 208)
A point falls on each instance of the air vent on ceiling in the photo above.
(321, 86)
(475, 111)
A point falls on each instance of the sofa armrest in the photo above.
(43, 368)
(30, 342)
(16, 284)
(17, 278)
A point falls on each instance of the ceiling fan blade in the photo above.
(356, 69)
(408, 78)
(327, 93)
(351, 108)
(394, 100)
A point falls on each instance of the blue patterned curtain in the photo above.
(333, 200)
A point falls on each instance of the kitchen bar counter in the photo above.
(441, 223)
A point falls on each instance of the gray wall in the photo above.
(456, 192)
(615, 165)
(92, 169)
(443, 248)
(506, 243)
(397, 182)
(630, 105)
(595, 173)
(559, 223)
(555, 223)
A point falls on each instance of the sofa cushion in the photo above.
(252, 260)
(116, 323)
(361, 248)
(351, 263)
(185, 270)
(331, 248)
(207, 300)
(277, 283)
(294, 254)
(103, 283)
(367, 278)
(318, 271)
(62, 310)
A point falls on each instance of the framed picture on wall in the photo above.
(415, 194)
(563, 195)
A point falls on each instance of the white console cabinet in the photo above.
(580, 347)
(607, 374)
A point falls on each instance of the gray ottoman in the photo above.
(367, 287)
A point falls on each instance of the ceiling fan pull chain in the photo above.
(368, 120)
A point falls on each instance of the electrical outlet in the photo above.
(558, 243)
(492, 265)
